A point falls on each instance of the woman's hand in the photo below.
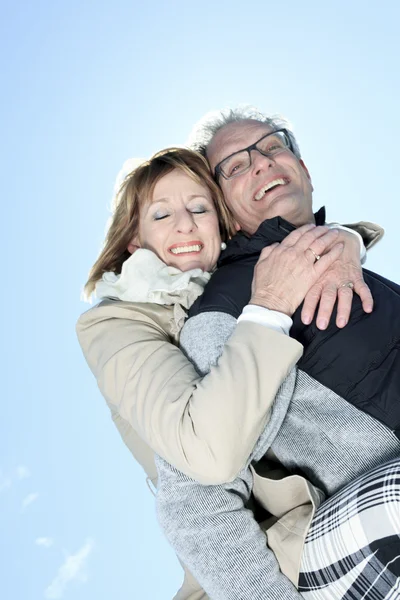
(286, 272)
(333, 284)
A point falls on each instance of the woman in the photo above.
(200, 253)
(189, 444)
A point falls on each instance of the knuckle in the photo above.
(329, 293)
(309, 305)
(320, 230)
(364, 294)
(314, 293)
(291, 253)
(293, 235)
(360, 284)
(345, 291)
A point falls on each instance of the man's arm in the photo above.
(218, 539)
(209, 527)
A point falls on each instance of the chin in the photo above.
(189, 266)
(288, 208)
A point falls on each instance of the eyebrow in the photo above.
(191, 197)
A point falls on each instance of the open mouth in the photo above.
(272, 185)
(196, 247)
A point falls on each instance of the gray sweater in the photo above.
(311, 429)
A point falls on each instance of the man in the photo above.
(259, 168)
(251, 202)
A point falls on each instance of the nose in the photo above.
(185, 222)
(260, 162)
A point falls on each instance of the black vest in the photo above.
(360, 362)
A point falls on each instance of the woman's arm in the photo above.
(192, 422)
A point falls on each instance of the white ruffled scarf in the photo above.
(145, 278)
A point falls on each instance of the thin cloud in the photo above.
(22, 472)
(29, 499)
(46, 542)
(71, 570)
(5, 482)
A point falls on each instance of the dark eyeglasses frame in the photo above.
(218, 172)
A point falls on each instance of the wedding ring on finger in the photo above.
(316, 256)
(348, 284)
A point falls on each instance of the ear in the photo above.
(303, 164)
(237, 226)
(133, 245)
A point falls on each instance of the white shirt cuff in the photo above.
(269, 318)
(363, 252)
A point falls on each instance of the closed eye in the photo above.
(160, 217)
(199, 209)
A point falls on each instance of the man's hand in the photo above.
(332, 286)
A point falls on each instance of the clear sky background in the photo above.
(84, 86)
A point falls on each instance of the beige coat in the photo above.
(160, 404)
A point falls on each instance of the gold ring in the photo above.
(316, 256)
(349, 284)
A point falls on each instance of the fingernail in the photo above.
(322, 323)
(369, 308)
(341, 322)
(306, 319)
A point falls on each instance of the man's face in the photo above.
(291, 198)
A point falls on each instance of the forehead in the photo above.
(234, 137)
(178, 183)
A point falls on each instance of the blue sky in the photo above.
(86, 85)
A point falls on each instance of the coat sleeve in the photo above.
(192, 422)
(370, 232)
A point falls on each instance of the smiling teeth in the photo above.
(182, 249)
(267, 187)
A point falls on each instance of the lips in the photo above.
(187, 248)
(274, 183)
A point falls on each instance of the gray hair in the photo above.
(205, 130)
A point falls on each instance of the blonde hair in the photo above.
(136, 190)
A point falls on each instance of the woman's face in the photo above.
(180, 224)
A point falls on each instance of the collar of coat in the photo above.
(269, 232)
(145, 278)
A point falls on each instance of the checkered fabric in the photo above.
(352, 551)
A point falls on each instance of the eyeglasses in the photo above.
(237, 163)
